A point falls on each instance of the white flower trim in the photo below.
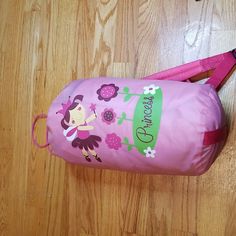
(150, 153)
(151, 89)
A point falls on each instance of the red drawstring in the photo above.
(34, 139)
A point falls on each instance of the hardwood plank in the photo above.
(46, 44)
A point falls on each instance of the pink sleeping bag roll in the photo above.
(160, 124)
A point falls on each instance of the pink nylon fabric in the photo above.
(188, 110)
(157, 125)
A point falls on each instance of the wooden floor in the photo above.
(44, 44)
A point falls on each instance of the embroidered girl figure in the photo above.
(77, 129)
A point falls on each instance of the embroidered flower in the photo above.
(149, 152)
(151, 89)
(107, 92)
(113, 141)
(108, 116)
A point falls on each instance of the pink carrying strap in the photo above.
(36, 119)
(223, 70)
(221, 64)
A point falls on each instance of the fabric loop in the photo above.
(36, 119)
(215, 136)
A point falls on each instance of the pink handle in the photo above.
(222, 71)
(39, 117)
(221, 64)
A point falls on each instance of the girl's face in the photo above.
(77, 115)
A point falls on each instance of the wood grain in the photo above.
(46, 44)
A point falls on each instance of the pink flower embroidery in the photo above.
(108, 116)
(107, 92)
(113, 141)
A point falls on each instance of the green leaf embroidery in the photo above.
(120, 121)
(126, 140)
(126, 90)
(129, 147)
(123, 115)
(127, 97)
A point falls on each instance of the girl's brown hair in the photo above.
(74, 104)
